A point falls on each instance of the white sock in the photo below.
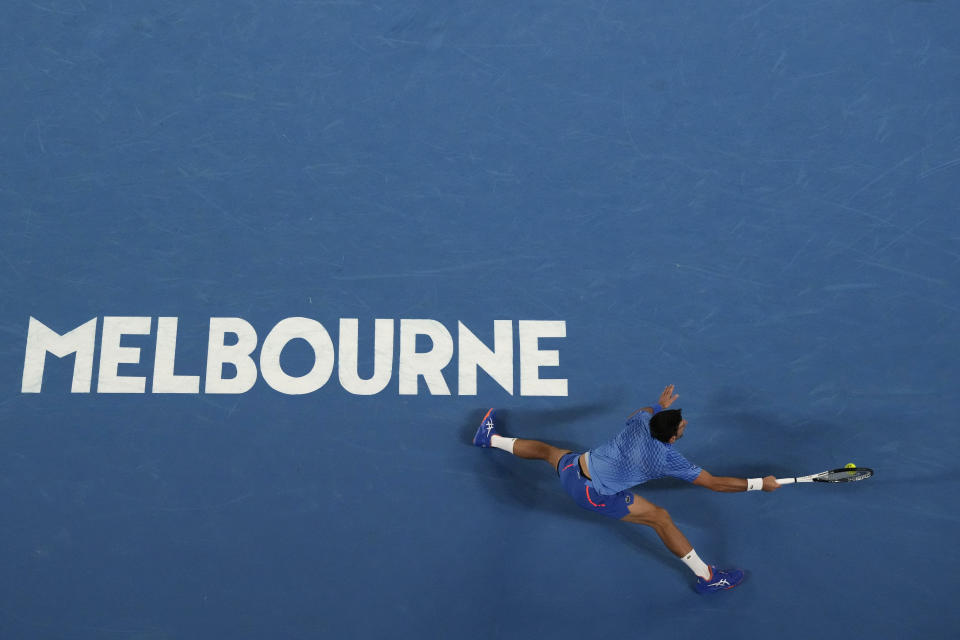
(696, 565)
(500, 442)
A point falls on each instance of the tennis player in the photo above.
(600, 479)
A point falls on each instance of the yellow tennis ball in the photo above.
(850, 465)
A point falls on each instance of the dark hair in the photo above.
(664, 425)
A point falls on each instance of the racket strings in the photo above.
(847, 475)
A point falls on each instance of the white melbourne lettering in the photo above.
(233, 364)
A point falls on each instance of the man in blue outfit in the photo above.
(599, 479)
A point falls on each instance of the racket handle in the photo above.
(786, 480)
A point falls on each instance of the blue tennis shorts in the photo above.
(583, 493)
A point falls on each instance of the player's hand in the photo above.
(667, 397)
(770, 484)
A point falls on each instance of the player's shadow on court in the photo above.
(741, 440)
(536, 424)
(532, 423)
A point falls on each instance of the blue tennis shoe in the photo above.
(486, 430)
(720, 580)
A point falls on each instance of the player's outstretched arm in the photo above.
(731, 485)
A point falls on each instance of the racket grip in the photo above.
(786, 480)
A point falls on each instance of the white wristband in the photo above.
(754, 484)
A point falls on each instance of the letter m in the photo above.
(42, 340)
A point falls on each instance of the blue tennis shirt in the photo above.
(634, 456)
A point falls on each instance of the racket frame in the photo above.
(821, 477)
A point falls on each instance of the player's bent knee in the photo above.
(661, 516)
(556, 455)
(651, 515)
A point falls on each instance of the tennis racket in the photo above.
(847, 474)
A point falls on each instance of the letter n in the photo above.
(498, 363)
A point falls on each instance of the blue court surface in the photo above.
(552, 208)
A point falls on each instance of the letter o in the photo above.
(289, 329)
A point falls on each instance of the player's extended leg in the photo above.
(645, 512)
(709, 578)
(487, 436)
(536, 450)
